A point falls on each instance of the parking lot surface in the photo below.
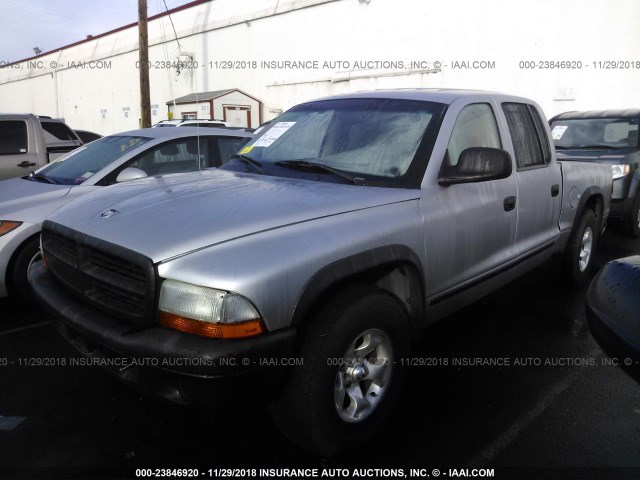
(513, 383)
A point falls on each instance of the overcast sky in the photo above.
(51, 24)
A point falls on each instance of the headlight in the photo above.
(6, 226)
(207, 312)
(620, 171)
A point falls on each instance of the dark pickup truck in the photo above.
(606, 136)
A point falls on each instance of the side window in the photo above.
(475, 126)
(55, 131)
(174, 157)
(528, 145)
(13, 137)
(227, 147)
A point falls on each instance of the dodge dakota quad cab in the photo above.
(28, 142)
(611, 137)
(332, 238)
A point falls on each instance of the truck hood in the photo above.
(612, 157)
(165, 217)
(28, 201)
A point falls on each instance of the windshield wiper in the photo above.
(42, 178)
(250, 161)
(307, 165)
(599, 147)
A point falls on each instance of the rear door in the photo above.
(538, 178)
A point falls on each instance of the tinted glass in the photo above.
(55, 132)
(184, 155)
(13, 137)
(524, 135)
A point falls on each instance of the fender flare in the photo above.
(377, 259)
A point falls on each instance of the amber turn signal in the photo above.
(211, 330)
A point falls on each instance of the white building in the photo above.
(567, 55)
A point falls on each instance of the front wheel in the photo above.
(578, 256)
(351, 374)
(19, 286)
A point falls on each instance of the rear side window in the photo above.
(55, 132)
(13, 137)
(527, 133)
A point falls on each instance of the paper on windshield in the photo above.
(273, 134)
(558, 131)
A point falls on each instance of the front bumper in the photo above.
(176, 366)
(613, 312)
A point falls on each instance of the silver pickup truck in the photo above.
(306, 266)
(28, 142)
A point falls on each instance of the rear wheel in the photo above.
(578, 256)
(351, 377)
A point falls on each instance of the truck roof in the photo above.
(439, 95)
(622, 113)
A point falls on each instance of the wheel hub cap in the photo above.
(364, 376)
(585, 249)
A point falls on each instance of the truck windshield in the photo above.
(374, 139)
(608, 133)
(84, 162)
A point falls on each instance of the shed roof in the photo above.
(203, 96)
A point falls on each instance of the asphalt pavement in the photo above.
(514, 384)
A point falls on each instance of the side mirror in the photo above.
(477, 164)
(130, 173)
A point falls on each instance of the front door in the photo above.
(469, 228)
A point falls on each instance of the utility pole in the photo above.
(143, 49)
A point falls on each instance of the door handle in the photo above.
(26, 164)
(555, 190)
(509, 204)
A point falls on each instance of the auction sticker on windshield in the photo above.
(273, 134)
(558, 131)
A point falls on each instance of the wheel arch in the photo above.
(591, 199)
(395, 269)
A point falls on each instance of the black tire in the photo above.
(307, 411)
(17, 273)
(574, 271)
(631, 223)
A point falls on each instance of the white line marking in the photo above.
(516, 428)
(9, 423)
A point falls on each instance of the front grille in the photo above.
(116, 280)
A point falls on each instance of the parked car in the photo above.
(192, 123)
(86, 136)
(25, 202)
(606, 136)
(613, 312)
(332, 239)
(28, 142)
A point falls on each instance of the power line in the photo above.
(172, 25)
